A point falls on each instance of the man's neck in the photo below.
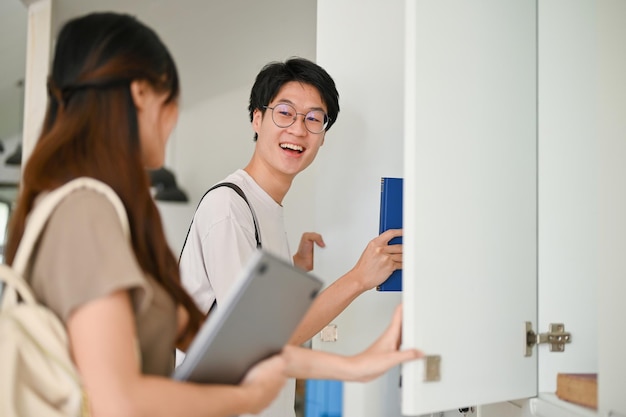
(273, 183)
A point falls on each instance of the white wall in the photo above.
(9, 174)
(361, 45)
(13, 22)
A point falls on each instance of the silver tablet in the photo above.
(254, 322)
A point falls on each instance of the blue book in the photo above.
(391, 218)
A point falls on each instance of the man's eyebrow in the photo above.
(285, 100)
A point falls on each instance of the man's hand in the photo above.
(304, 257)
(379, 260)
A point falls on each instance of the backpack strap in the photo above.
(36, 222)
(239, 191)
(257, 233)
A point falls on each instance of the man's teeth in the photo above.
(292, 147)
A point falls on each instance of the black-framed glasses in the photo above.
(284, 115)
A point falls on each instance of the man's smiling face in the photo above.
(289, 150)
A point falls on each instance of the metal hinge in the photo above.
(557, 337)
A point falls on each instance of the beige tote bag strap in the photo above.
(36, 222)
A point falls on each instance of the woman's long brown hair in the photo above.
(91, 130)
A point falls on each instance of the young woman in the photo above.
(113, 94)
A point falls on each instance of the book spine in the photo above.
(391, 218)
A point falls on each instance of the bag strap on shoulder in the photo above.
(240, 192)
(39, 216)
(37, 220)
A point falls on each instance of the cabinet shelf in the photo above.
(549, 405)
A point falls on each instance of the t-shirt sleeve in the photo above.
(84, 255)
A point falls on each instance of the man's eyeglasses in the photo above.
(284, 115)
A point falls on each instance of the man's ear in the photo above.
(257, 117)
(138, 93)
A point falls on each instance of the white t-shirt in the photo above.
(220, 242)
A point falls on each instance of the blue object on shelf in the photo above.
(323, 398)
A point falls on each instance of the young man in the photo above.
(292, 105)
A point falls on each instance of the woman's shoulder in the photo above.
(86, 208)
(86, 200)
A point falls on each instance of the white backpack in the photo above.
(37, 375)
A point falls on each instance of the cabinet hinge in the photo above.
(557, 337)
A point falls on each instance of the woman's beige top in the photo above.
(83, 255)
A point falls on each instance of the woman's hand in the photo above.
(383, 354)
(263, 383)
(377, 359)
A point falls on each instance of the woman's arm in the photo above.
(374, 266)
(381, 356)
(103, 342)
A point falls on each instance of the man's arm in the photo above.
(376, 263)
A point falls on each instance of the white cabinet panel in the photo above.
(568, 164)
(470, 259)
(612, 203)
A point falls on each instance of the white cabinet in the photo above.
(514, 141)
(505, 200)
(470, 261)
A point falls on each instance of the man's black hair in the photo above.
(276, 74)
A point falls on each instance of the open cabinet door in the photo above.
(470, 202)
(612, 208)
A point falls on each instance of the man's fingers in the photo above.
(394, 249)
(314, 237)
(387, 235)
